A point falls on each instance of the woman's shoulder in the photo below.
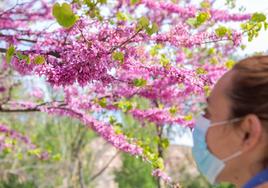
(264, 185)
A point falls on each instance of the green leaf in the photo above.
(230, 63)
(243, 47)
(28, 60)
(188, 117)
(102, 102)
(64, 15)
(164, 61)
(118, 128)
(133, 2)
(36, 152)
(139, 82)
(57, 157)
(121, 16)
(20, 156)
(191, 22)
(211, 51)
(173, 110)
(153, 29)
(23, 57)
(9, 54)
(102, 1)
(125, 105)
(143, 23)
(205, 4)
(112, 120)
(6, 150)
(207, 90)
(165, 143)
(90, 4)
(265, 24)
(201, 70)
(258, 17)
(39, 60)
(158, 163)
(221, 31)
(118, 56)
(155, 49)
(10, 141)
(202, 17)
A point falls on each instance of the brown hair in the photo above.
(249, 90)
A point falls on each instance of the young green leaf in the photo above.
(155, 49)
(39, 60)
(133, 2)
(118, 56)
(64, 15)
(102, 102)
(164, 61)
(9, 54)
(153, 29)
(258, 17)
(202, 17)
(139, 82)
(229, 63)
(143, 23)
(221, 31)
(23, 57)
(121, 16)
(164, 143)
(102, 1)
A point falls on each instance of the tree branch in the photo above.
(105, 167)
(125, 42)
(33, 109)
(52, 53)
(20, 39)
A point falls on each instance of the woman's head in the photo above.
(240, 93)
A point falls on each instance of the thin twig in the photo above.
(105, 167)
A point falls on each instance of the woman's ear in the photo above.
(252, 129)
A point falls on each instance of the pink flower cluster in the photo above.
(105, 130)
(9, 133)
(179, 36)
(162, 83)
(162, 175)
(191, 11)
(161, 117)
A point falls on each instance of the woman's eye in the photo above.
(206, 113)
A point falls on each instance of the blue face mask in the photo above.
(208, 164)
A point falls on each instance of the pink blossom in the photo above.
(37, 92)
(105, 130)
(9, 133)
(159, 173)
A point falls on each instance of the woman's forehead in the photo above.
(218, 99)
(222, 86)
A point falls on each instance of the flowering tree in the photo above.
(106, 56)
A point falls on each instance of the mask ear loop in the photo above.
(232, 156)
(226, 121)
(236, 154)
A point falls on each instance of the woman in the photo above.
(231, 138)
